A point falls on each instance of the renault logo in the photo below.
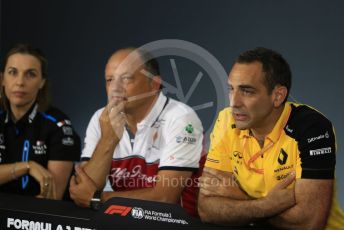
(282, 158)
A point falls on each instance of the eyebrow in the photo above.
(36, 70)
(242, 86)
(246, 87)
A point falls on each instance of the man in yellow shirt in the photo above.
(270, 160)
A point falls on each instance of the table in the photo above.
(23, 212)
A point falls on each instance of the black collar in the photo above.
(27, 118)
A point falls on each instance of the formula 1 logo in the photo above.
(118, 209)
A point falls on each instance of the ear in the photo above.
(42, 83)
(156, 82)
(279, 95)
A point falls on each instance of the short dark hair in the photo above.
(150, 62)
(276, 68)
(43, 96)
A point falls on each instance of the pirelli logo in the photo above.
(118, 209)
(322, 151)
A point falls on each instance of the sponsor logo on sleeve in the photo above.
(186, 140)
(213, 160)
(67, 130)
(236, 170)
(322, 151)
(237, 157)
(68, 141)
(189, 129)
(187, 136)
(289, 129)
(326, 135)
(64, 122)
(237, 154)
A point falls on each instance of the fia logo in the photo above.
(137, 213)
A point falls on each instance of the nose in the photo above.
(116, 84)
(20, 79)
(234, 99)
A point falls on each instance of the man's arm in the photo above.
(166, 189)
(313, 203)
(229, 210)
(98, 166)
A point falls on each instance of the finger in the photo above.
(113, 102)
(105, 113)
(82, 174)
(42, 184)
(209, 185)
(117, 125)
(203, 180)
(209, 170)
(117, 119)
(115, 107)
(221, 175)
(209, 188)
(207, 192)
(46, 190)
(213, 173)
(73, 181)
(117, 98)
(53, 189)
(210, 180)
(50, 187)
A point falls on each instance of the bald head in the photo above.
(136, 58)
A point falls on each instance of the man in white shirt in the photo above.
(147, 145)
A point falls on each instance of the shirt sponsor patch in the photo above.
(322, 151)
(68, 141)
(186, 139)
(40, 148)
(64, 122)
(213, 160)
(326, 135)
(189, 129)
(67, 130)
(289, 129)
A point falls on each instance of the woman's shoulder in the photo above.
(55, 115)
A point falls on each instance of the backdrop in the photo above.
(78, 36)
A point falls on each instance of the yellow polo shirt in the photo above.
(302, 140)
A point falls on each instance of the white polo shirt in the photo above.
(169, 137)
